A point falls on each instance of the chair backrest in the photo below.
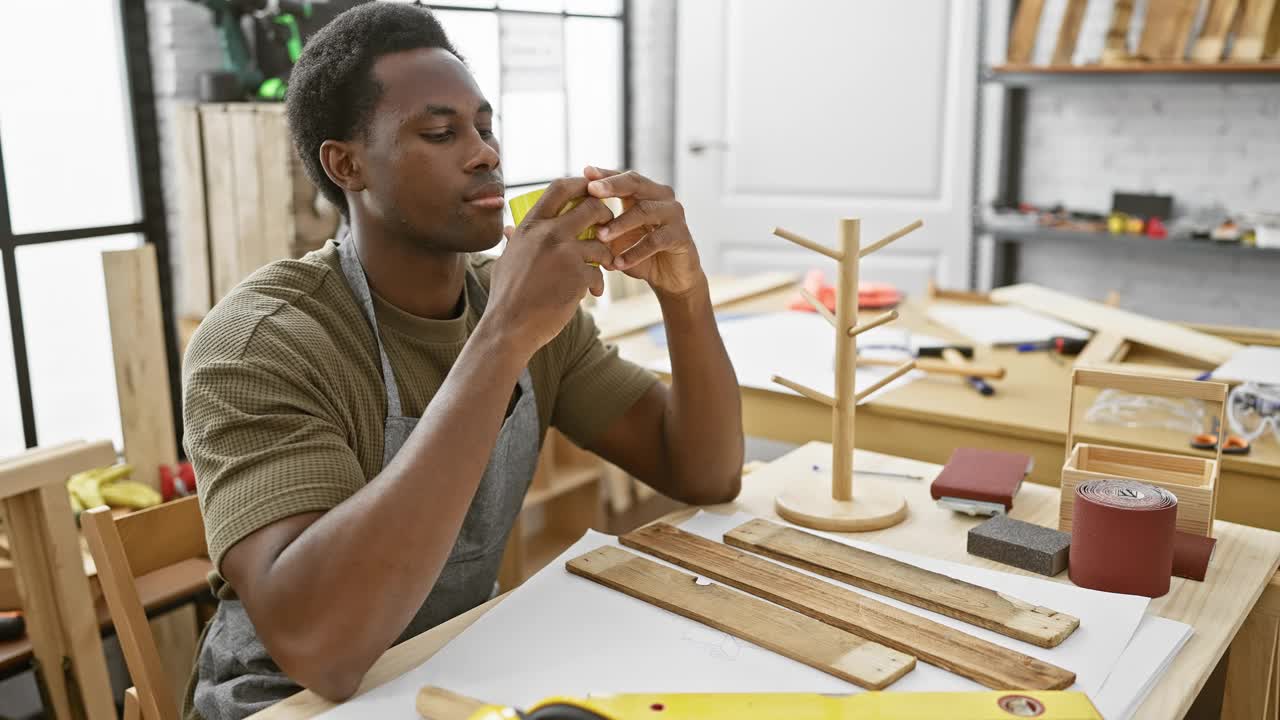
(124, 549)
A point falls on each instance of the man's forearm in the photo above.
(703, 422)
(354, 578)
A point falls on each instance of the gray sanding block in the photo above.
(1021, 544)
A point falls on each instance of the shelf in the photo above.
(1172, 243)
(1152, 73)
(563, 480)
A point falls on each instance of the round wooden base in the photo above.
(873, 507)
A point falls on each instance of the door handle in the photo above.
(697, 147)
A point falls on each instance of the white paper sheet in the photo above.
(1253, 363)
(800, 346)
(1002, 324)
(559, 634)
(1150, 652)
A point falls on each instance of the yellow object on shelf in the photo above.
(130, 494)
(982, 705)
(109, 486)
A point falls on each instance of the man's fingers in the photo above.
(629, 184)
(594, 280)
(650, 245)
(641, 214)
(587, 213)
(557, 195)
(591, 172)
(595, 252)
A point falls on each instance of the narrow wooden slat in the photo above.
(802, 638)
(1022, 39)
(1209, 46)
(1251, 38)
(805, 242)
(141, 362)
(276, 201)
(439, 704)
(994, 666)
(1116, 45)
(948, 596)
(1166, 29)
(1103, 347)
(194, 289)
(251, 242)
(162, 535)
(39, 467)
(895, 235)
(220, 199)
(1069, 32)
(1143, 385)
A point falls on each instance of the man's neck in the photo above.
(419, 281)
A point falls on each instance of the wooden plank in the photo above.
(141, 363)
(220, 197)
(804, 639)
(1271, 53)
(1166, 29)
(637, 313)
(1069, 32)
(1103, 347)
(1213, 35)
(981, 661)
(160, 536)
(1137, 328)
(1022, 38)
(275, 202)
(1116, 46)
(1250, 667)
(932, 591)
(435, 703)
(251, 241)
(195, 283)
(1251, 38)
(176, 633)
(1162, 386)
(39, 467)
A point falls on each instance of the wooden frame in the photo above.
(838, 509)
(124, 549)
(56, 598)
(1193, 480)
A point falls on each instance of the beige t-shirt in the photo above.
(284, 404)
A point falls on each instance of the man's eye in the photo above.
(438, 137)
(485, 133)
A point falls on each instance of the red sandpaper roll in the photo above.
(1122, 537)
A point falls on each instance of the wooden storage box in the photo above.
(1192, 479)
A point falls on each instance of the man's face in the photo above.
(430, 158)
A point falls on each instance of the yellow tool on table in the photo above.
(436, 704)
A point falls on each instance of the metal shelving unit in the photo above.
(1177, 243)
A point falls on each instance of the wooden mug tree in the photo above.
(809, 504)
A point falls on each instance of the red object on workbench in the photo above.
(871, 295)
(1156, 229)
(177, 481)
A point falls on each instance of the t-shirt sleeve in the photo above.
(263, 445)
(596, 385)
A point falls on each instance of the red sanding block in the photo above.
(985, 478)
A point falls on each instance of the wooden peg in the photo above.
(879, 320)
(903, 369)
(890, 238)
(805, 242)
(818, 306)
(805, 391)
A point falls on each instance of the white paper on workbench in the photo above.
(1003, 324)
(559, 634)
(801, 346)
(1145, 659)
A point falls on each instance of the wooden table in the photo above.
(1246, 559)
(929, 418)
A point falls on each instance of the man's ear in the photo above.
(342, 165)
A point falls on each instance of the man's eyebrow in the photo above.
(450, 111)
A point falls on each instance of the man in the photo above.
(364, 422)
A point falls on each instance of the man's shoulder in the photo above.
(294, 302)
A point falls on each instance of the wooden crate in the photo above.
(1192, 479)
(244, 199)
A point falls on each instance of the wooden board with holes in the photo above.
(1251, 34)
(1022, 38)
(141, 362)
(913, 585)
(1069, 32)
(1166, 29)
(963, 654)
(1116, 45)
(802, 638)
(1132, 326)
(1213, 35)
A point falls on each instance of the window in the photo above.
(78, 175)
(554, 71)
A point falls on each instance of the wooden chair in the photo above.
(124, 549)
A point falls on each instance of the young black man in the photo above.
(364, 422)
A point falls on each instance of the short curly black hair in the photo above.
(332, 90)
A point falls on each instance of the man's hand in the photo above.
(650, 239)
(545, 270)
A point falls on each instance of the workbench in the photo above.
(929, 418)
(1243, 565)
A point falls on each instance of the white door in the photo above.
(798, 113)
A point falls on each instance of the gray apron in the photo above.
(236, 674)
